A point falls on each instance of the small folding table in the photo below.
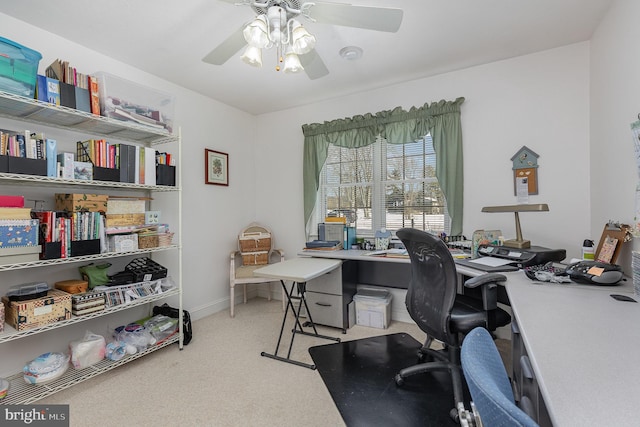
(298, 271)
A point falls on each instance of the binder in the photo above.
(52, 157)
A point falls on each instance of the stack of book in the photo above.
(63, 85)
(324, 245)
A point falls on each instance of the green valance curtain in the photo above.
(440, 119)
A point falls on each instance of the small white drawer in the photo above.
(330, 283)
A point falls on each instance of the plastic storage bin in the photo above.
(125, 100)
(373, 308)
(18, 68)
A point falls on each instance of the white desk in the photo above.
(361, 255)
(298, 271)
(584, 346)
(584, 349)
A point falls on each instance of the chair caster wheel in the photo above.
(453, 413)
(399, 380)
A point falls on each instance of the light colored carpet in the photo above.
(219, 379)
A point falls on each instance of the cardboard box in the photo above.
(37, 312)
(18, 232)
(125, 206)
(118, 220)
(123, 242)
(77, 202)
(19, 254)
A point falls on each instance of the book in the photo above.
(126, 162)
(15, 213)
(53, 91)
(94, 95)
(66, 165)
(83, 99)
(67, 95)
(149, 166)
(324, 244)
(41, 88)
(7, 201)
(52, 157)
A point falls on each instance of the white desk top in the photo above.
(298, 269)
(584, 348)
(361, 255)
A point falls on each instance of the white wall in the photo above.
(615, 84)
(539, 100)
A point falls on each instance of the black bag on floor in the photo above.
(166, 310)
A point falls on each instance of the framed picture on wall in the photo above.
(216, 167)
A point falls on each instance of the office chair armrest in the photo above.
(489, 286)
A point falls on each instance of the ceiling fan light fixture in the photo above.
(292, 62)
(256, 32)
(253, 56)
(302, 41)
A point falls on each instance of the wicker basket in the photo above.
(255, 258)
(146, 241)
(254, 242)
(165, 239)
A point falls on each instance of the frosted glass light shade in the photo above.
(256, 32)
(292, 62)
(253, 56)
(302, 42)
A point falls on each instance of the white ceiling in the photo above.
(169, 38)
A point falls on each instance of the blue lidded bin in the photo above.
(18, 68)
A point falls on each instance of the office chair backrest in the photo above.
(432, 290)
(489, 383)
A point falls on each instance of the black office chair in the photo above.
(444, 315)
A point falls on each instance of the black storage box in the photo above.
(145, 269)
(51, 250)
(23, 165)
(106, 174)
(166, 175)
(85, 247)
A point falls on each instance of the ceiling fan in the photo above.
(277, 25)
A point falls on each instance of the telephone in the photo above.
(595, 273)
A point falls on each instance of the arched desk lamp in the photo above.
(518, 242)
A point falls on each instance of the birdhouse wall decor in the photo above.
(525, 165)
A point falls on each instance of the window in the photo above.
(383, 186)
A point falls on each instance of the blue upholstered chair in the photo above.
(489, 383)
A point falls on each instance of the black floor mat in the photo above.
(360, 377)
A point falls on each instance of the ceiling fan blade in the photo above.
(313, 65)
(226, 49)
(371, 18)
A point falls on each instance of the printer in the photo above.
(523, 257)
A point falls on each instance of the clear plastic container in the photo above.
(28, 291)
(18, 68)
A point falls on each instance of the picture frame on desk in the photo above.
(216, 167)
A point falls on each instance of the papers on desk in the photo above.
(400, 253)
(490, 261)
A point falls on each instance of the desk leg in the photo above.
(297, 328)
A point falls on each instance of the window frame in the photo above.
(378, 185)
